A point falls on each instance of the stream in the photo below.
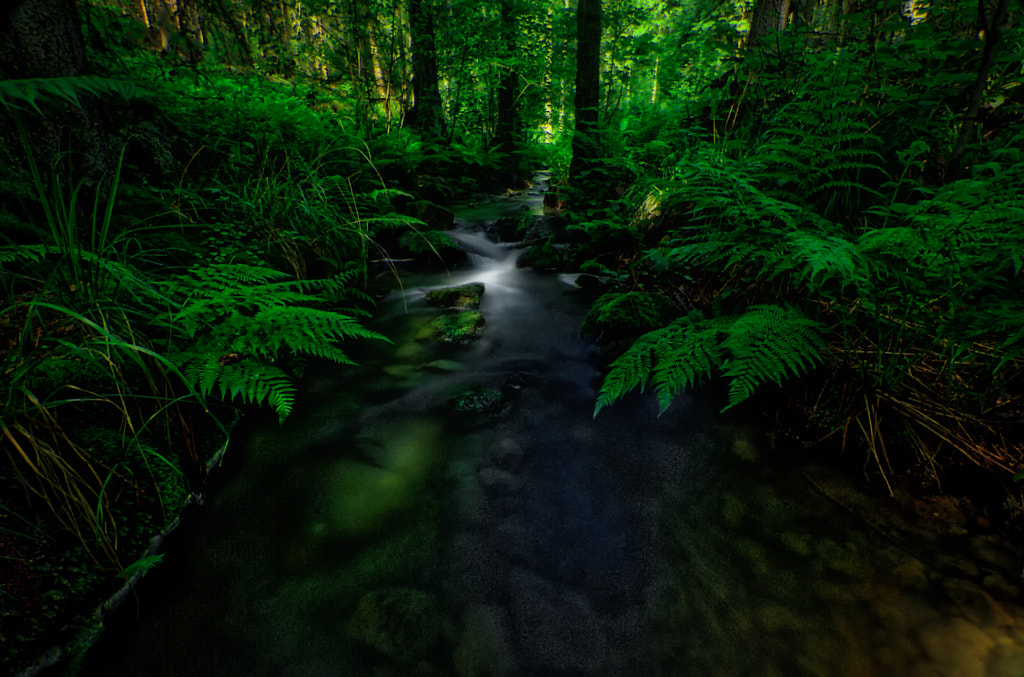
(383, 531)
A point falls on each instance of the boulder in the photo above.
(479, 401)
(430, 245)
(463, 296)
(463, 326)
(404, 624)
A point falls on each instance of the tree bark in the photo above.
(43, 39)
(426, 114)
(505, 130)
(585, 143)
(769, 16)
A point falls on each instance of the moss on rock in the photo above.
(618, 315)
(458, 327)
(463, 296)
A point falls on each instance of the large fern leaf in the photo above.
(687, 353)
(768, 343)
(631, 370)
(765, 344)
(240, 321)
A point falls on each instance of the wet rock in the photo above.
(458, 327)
(508, 455)
(494, 481)
(427, 245)
(444, 365)
(462, 296)
(912, 574)
(1000, 586)
(513, 228)
(558, 631)
(976, 604)
(483, 650)
(992, 549)
(479, 401)
(404, 624)
(1007, 660)
(956, 648)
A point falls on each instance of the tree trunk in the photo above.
(43, 39)
(769, 16)
(426, 114)
(505, 130)
(585, 143)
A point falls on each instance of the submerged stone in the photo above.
(462, 296)
(459, 327)
(404, 624)
(479, 401)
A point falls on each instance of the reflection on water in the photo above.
(385, 531)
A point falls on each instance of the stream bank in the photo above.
(386, 530)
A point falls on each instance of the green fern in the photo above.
(765, 344)
(688, 353)
(824, 257)
(34, 90)
(240, 321)
(769, 343)
(22, 254)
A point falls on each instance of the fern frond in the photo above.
(824, 256)
(248, 380)
(768, 343)
(34, 90)
(308, 331)
(686, 354)
(22, 254)
(630, 370)
(240, 320)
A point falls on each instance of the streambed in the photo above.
(385, 529)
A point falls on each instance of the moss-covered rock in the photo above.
(430, 245)
(462, 296)
(479, 401)
(459, 327)
(404, 624)
(618, 315)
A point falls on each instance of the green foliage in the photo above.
(764, 344)
(33, 91)
(239, 320)
(627, 313)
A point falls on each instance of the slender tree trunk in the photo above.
(993, 30)
(585, 143)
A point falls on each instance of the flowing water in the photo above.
(386, 530)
